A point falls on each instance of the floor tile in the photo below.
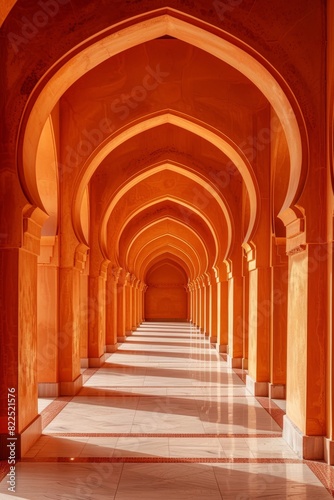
(165, 418)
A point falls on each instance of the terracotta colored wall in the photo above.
(166, 297)
(47, 324)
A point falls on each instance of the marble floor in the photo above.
(165, 418)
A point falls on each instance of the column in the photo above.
(278, 334)
(111, 308)
(222, 308)
(47, 318)
(97, 316)
(245, 330)
(207, 284)
(135, 322)
(235, 312)
(18, 294)
(121, 307)
(70, 312)
(198, 303)
(202, 304)
(259, 320)
(128, 303)
(213, 308)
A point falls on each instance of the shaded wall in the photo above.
(166, 296)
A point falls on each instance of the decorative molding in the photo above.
(104, 269)
(295, 250)
(115, 272)
(49, 251)
(80, 256)
(33, 220)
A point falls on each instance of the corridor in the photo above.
(164, 418)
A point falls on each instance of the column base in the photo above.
(256, 388)
(213, 340)
(306, 447)
(97, 362)
(121, 339)
(48, 389)
(84, 362)
(329, 451)
(30, 435)
(128, 333)
(234, 362)
(244, 364)
(71, 388)
(22, 442)
(222, 348)
(112, 347)
(277, 391)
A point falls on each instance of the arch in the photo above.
(5, 9)
(160, 221)
(47, 177)
(170, 256)
(190, 175)
(170, 241)
(216, 139)
(120, 38)
(168, 249)
(187, 206)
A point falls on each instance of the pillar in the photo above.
(84, 313)
(128, 303)
(329, 440)
(222, 309)
(258, 251)
(47, 318)
(213, 307)
(121, 307)
(259, 330)
(246, 301)
(205, 297)
(111, 309)
(304, 423)
(140, 316)
(207, 316)
(235, 312)
(70, 312)
(97, 315)
(198, 303)
(191, 303)
(278, 333)
(135, 299)
(18, 370)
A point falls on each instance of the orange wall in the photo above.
(166, 297)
